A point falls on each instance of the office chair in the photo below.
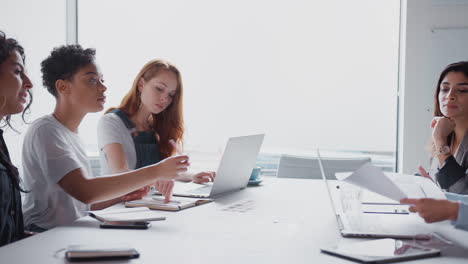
(308, 167)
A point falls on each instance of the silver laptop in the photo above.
(373, 225)
(237, 162)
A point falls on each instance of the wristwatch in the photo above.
(443, 150)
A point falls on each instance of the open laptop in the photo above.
(237, 162)
(409, 226)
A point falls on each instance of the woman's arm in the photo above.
(449, 173)
(115, 159)
(105, 188)
(433, 210)
(199, 177)
(454, 209)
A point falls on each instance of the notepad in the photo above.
(126, 215)
(157, 203)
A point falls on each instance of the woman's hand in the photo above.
(136, 195)
(204, 176)
(432, 210)
(424, 173)
(171, 167)
(441, 129)
(165, 189)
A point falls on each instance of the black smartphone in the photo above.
(125, 225)
(92, 253)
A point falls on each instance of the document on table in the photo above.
(126, 214)
(373, 179)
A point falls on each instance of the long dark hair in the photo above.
(7, 46)
(462, 67)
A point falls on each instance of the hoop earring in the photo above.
(139, 103)
(3, 103)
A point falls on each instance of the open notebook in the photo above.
(126, 215)
(157, 203)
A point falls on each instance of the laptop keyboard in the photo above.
(363, 222)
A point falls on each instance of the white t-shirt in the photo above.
(111, 129)
(50, 151)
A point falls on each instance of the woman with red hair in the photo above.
(146, 127)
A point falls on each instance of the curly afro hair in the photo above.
(63, 63)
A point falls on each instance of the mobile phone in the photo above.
(100, 252)
(125, 225)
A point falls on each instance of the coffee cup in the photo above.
(256, 173)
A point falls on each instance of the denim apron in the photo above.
(146, 146)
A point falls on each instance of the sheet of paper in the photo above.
(373, 179)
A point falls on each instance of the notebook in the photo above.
(373, 225)
(235, 167)
(157, 203)
(126, 215)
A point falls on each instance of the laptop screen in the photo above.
(325, 180)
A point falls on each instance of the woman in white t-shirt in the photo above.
(147, 126)
(56, 169)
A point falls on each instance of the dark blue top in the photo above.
(11, 215)
(146, 145)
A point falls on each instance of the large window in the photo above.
(307, 73)
(38, 26)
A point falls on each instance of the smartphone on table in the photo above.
(125, 225)
(100, 252)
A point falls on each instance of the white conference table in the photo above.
(288, 221)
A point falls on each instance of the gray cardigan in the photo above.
(452, 175)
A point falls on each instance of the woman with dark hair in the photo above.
(449, 126)
(14, 89)
(56, 168)
(147, 126)
(449, 149)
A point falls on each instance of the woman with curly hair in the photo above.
(14, 91)
(56, 168)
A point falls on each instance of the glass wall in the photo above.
(307, 73)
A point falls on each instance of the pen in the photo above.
(178, 151)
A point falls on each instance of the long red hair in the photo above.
(168, 124)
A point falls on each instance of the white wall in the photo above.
(417, 78)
